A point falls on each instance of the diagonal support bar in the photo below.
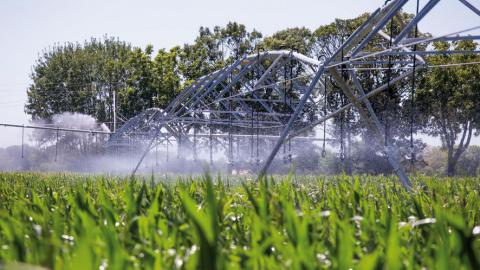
(425, 10)
(470, 6)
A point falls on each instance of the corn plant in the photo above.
(65, 221)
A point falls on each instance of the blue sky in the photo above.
(29, 26)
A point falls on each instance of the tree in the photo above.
(388, 105)
(328, 38)
(84, 77)
(200, 58)
(213, 50)
(448, 100)
(435, 159)
(166, 76)
(296, 39)
(469, 163)
(139, 93)
(236, 41)
(78, 77)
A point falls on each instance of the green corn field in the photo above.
(62, 221)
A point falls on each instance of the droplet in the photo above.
(171, 252)
(424, 221)
(38, 230)
(325, 213)
(357, 218)
(178, 262)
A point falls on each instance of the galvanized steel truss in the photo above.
(262, 88)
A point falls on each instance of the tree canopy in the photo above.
(449, 100)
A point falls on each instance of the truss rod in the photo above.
(470, 6)
(411, 67)
(395, 53)
(262, 136)
(219, 121)
(260, 99)
(401, 46)
(241, 112)
(454, 38)
(58, 128)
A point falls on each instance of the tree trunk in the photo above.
(474, 169)
(451, 165)
(454, 154)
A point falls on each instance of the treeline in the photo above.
(84, 77)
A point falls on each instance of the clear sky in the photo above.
(29, 26)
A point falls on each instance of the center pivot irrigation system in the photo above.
(279, 96)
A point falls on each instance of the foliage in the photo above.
(296, 39)
(469, 163)
(79, 78)
(449, 99)
(84, 77)
(84, 222)
(391, 106)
